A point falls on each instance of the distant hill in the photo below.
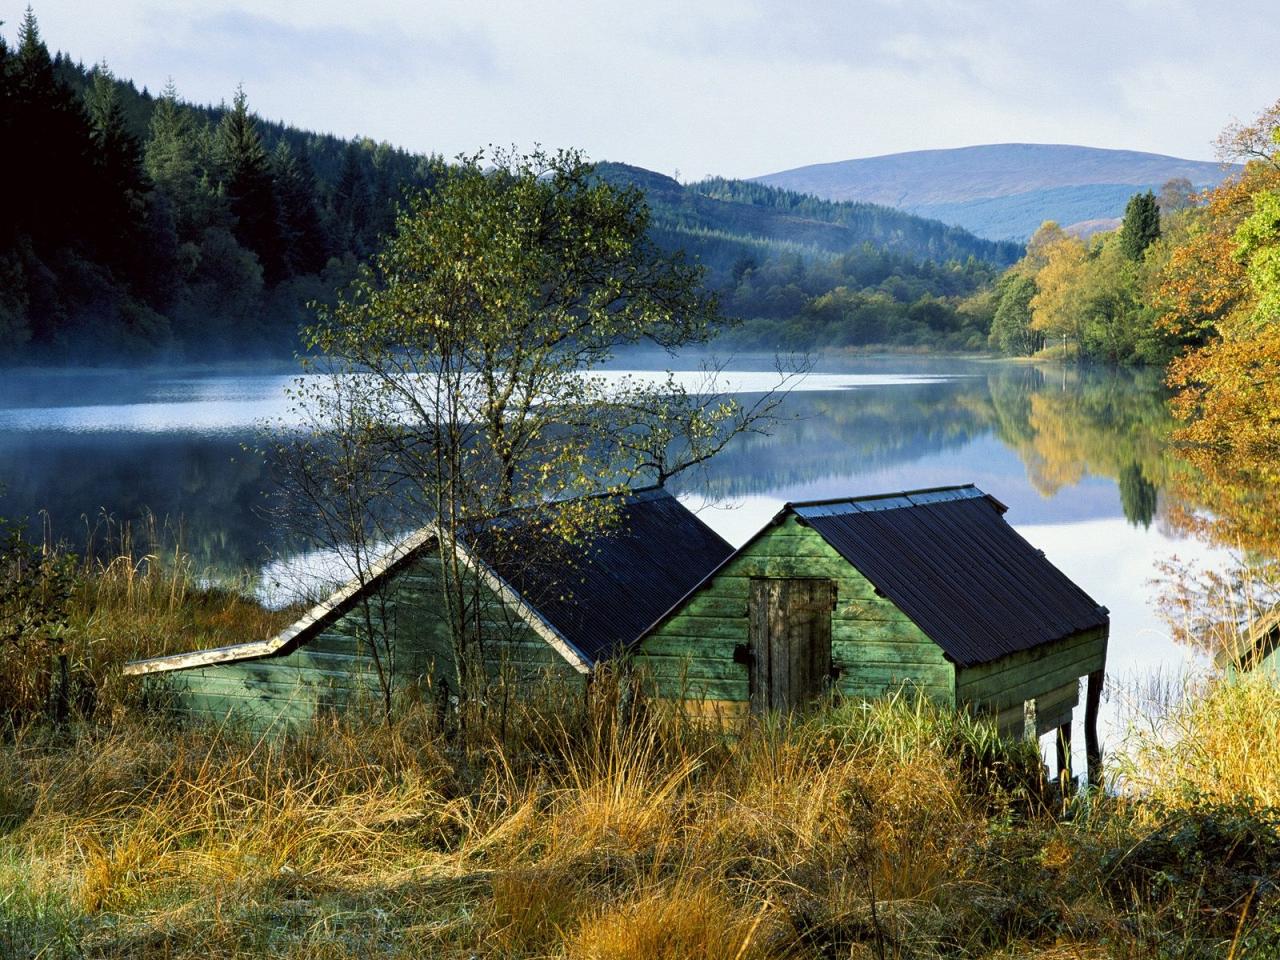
(722, 220)
(999, 191)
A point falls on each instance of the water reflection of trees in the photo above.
(849, 432)
(204, 492)
(1063, 424)
(1108, 423)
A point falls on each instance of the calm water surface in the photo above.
(1079, 458)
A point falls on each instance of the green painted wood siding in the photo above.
(1268, 664)
(873, 644)
(334, 669)
(1000, 688)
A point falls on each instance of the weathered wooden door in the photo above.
(790, 641)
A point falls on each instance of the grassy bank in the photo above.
(891, 829)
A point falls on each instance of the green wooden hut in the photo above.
(542, 619)
(930, 589)
(1257, 649)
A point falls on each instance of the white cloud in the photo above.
(735, 88)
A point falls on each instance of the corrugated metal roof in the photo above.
(598, 598)
(947, 558)
(602, 595)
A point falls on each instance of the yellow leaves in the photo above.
(1056, 309)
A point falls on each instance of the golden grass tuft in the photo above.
(683, 922)
(1221, 746)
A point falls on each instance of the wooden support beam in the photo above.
(1064, 757)
(1030, 729)
(1092, 748)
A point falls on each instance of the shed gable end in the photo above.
(875, 648)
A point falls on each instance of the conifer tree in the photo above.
(351, 201)
(119, 201)
(171, 150)
(54, 168)
(1141, 226)
(7, 136)
(301, 234)
(249, 186)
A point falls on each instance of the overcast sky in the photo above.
(738, 89)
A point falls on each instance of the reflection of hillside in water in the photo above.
(849, 432)
(208, 491)
(1063, 424)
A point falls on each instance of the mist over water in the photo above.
(1079, 457)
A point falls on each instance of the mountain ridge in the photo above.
(999, 191)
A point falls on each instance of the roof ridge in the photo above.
(791, 504)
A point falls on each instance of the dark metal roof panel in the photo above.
(602, 595)
(953, 565)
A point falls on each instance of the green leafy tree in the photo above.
(479, 332)
(35, 594)
(1011, 329)
(1141, 225)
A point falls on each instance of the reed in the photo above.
(604, 828)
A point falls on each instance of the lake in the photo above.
(1079, 456)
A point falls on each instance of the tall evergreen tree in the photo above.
(250, 187)
(301, 233)
(119, 201)
(7, 135)
(351, 201)
(52, 175)
(1141, 226)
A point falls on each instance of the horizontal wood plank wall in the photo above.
(874, 646)
(333, 670)
(1000, 687)
(261, 693)
(1268, 664)
(1053, 709)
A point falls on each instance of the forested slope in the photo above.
(141, 227)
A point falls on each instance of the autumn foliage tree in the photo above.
(1222, 288)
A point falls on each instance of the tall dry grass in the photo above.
(136, 593)
(602, 828)
(652, 838)
(1219, 744)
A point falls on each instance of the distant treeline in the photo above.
(871, 223)
(137, 225)
(801, 272)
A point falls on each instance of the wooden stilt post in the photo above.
(1064, 757)
(1092, 749)
(1030, 725)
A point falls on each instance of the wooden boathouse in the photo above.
(542, 621)
(927, 589)
(1257, 649)
(930, 590)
